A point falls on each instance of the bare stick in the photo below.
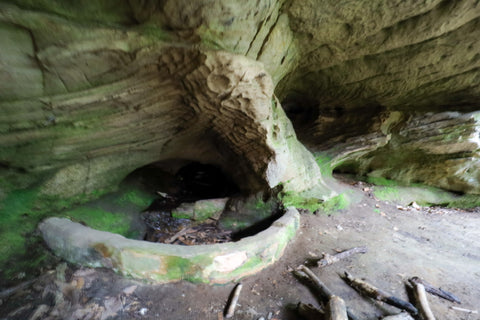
(377, 294)
(178, 235)
(464, 310)
(337, 308)
(325, 292)
(309, 312)
(423, 305)
(233, 301)
(330, 259)
(322, 288)
(435, 291)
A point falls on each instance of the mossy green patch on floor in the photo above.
(22, 210)
(296, 200)
(21, 252)
(313, 204)
(336, 203)
(422, 195)
(391, 190)
(388, 193)
(136, 197)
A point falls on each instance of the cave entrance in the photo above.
(177, 185)
(198, 203)
(187, 181)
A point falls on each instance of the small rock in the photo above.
(377, 205)
(143, 311)
(415, 205)
(270, 316)
(21, 275)
(261, 318)
(340, 228)
(129, 290)
(366, 189)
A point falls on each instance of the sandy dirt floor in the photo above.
(441, 246)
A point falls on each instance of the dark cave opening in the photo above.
(204, 181)
(182, 185)
(185, 180)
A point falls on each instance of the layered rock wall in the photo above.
(106, 101)
(91, 91)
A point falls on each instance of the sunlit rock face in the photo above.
(91, 92)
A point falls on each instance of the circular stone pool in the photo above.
(215, 263)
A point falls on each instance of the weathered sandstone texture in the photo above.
(105, 101)
(91, 91)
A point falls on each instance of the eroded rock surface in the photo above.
(127, 100)
(90, 93)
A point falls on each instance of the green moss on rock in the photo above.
(298, 201)
(313, 204)
(324, 163)
(136, 197)
(468, 201)
(100, 219)
(22, 210)
(336, 203)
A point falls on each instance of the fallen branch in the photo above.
(325, 293)
(422, 305)
(464, 310)
(177, 235)
(435, 291)
(309, 312)
(233, 301)
(377, 294)
(337, 308)
(330, 259)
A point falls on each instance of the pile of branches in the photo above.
(335, 307)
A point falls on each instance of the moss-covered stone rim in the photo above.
(161, 263)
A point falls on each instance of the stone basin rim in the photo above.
(159, 262)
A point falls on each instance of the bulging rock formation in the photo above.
(107, 102)
(91, 92)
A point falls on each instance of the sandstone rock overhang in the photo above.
(108, 102)
(214, 264)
